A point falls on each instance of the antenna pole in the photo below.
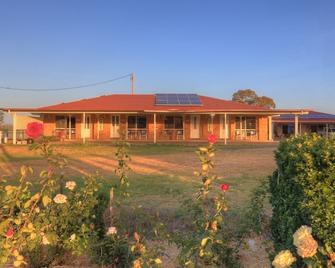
(132, 78)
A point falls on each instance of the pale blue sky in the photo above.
(284, 49)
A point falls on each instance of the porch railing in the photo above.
(246, 134)
(172, 134)
(137, 134)
(64, 133)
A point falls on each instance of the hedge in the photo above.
(303, 190)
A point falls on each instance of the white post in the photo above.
(327, 131)
(225, 129)
(296, 125)
(212, 123)
(270, 128)
(84, 128)
(98, 126)
(70, 127)
(155, 134)
(183, 126)
(14, 128)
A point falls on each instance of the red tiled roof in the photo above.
(125, 102)
(146, 103)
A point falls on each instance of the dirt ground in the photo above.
(231, 163)
(241, 167)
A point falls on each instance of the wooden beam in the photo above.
(296, 125)
(270, 129)
(225, 129)
(98, 126)
(14, 127)
(84, 128)
(70, 127)
(155, 129)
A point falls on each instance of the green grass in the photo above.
(159, 149)
(156, 192)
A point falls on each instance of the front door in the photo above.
(115, 126)
(195, 126)
(224, 127)
(87, 126)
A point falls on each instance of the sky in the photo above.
(282, 49)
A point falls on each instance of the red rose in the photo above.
(34, 130)
(224, 187)
(212, 138)
(10, 233)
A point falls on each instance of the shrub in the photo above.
(204, 242)
(113, 246)
(43, 223)
(112, 250)
(302, 190)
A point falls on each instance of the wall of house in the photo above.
(23, 120)
(263, 128)
(105, 133)
(49, 124)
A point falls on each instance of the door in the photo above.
(87, 126)
(115, 126)
(224, 127)
(195, 126)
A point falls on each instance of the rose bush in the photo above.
(46, 219)
(307, 248)
(206, 243)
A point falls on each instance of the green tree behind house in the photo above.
(250, 97)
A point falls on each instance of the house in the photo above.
(313, 122)
(155, 118)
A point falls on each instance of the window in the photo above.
(87, 122)
(173, 122)
(245, 123)
(131, 121)
(169, 122)
(137, 122)
(250, 123)
(288, 129)
(73, 122)
(141, 122)
(195, 124)
(61, 121)
(101, 123)
(178, 122)
(209, 124)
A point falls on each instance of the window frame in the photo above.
(136, 125)
(173, 122)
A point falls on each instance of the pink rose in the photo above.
(212, 138)
(224, 187)
(34, 130)
(10, 233)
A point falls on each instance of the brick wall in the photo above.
(263, 131)
(49, 124)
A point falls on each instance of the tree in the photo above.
(266, 102)
(250, 96)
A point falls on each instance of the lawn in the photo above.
(162, 174)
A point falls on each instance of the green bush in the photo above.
(303, 190)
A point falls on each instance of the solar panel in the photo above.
(177, 99)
